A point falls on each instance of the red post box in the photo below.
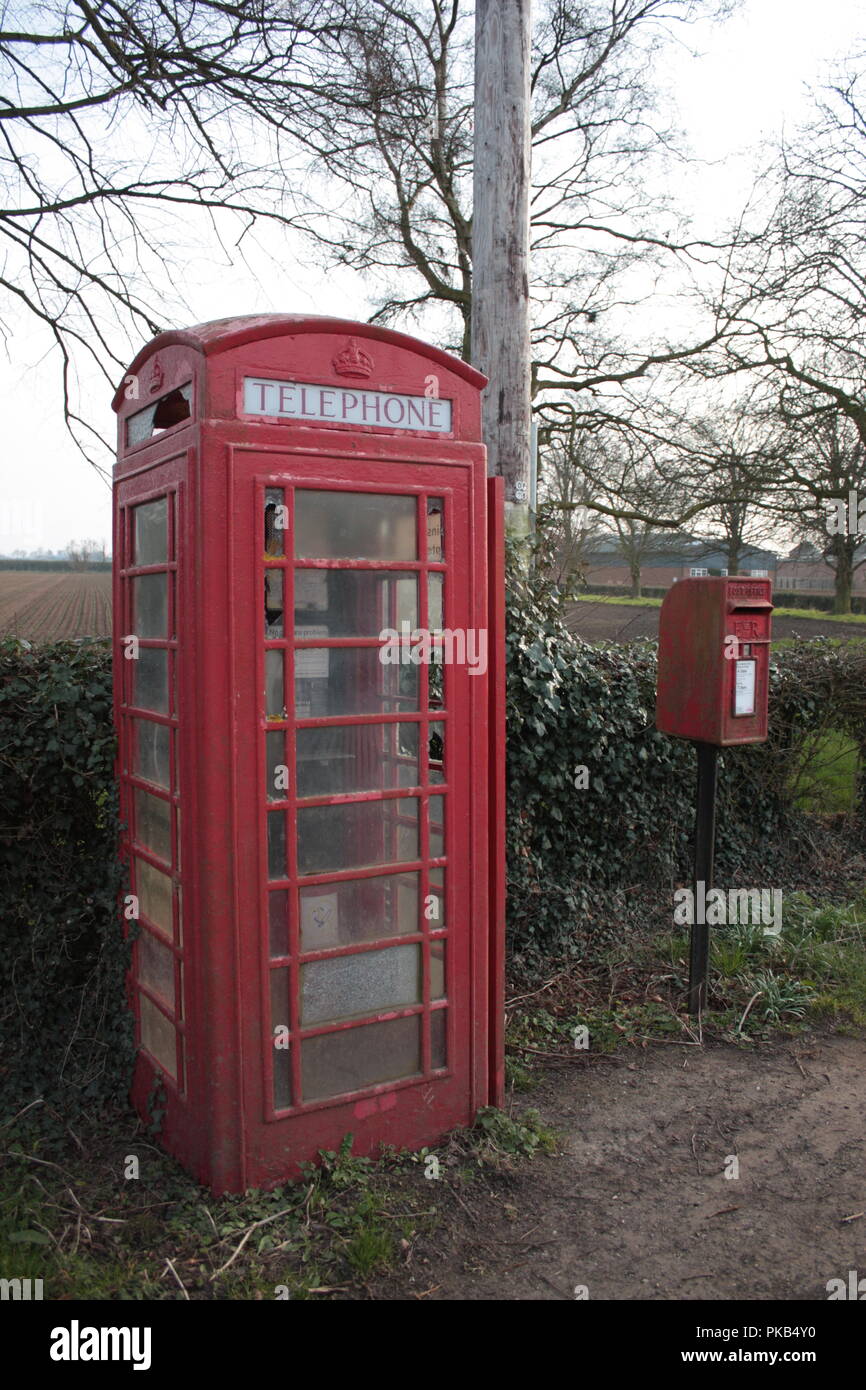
(713, 662)
(712, 687)
(304, 580)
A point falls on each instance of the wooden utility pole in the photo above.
(500, 243)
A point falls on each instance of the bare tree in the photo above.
(619, 476)
(392, 137)
(82, 553)
(736, 454)
(564, 495)
(638, 541)
(825, 465)
(122, 120)
(119, 119)
(792, 291)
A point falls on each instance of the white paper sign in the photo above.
(311, 590)
(744, 687)
(311, 663)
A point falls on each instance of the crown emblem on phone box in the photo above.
(353, 361)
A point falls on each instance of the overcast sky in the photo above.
(749, 81)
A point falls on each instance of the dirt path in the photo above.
(637, 1205)
(617, 622)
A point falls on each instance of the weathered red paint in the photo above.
(496, 570)
(199, 845)
(705, 626)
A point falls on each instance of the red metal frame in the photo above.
(496, 810)
(223, 1119)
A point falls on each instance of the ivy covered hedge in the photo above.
(572, 849)
(64, 1033)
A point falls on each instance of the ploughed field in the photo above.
(614, 622)
(45, 607)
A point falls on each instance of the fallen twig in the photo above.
(255, 1226)
(748, 1006)
(177, 1277)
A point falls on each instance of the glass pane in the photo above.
(363, 909)
(275, 695)
(150, 755)
(154, 895)
(351, 680)
(282, 1078)
(153, 823)
(357, 758)
(438, 1053)
(436, 681)
(156, 967)
(354, 526)
(280, 1015)
(357, 834)
(276, 768)
(357, 603)
(437, 830)
(437, 969)
(435, 530)
(169, 410)
(400, 754)
(436, 753)
(150, 533)
(280, 1054)
(360, 984)
(275, 522)
(140, 426)
(158, 1035)
(434, 905)
(150, 605)
(406, 832)
(435, 609)
(278, 921)
(357, 1057)
(274, 604)
(277, 845)
(150, 679)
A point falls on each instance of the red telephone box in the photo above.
(309, 703)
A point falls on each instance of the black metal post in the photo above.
(705, 842)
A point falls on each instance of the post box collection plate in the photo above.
(744, 686)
